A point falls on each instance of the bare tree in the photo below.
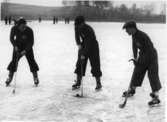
(163, 9)
(101, 4)
(148, 9)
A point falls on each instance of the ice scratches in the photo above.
(95, 120)
(53, 100)
(72, 109)
(156, 114)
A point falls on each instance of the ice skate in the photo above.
(98, 87)
(8, 81)
(76, 85)
(98, 84)
(155, 100)
(36, 81)
(129, 93)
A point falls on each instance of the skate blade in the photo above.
(7, 85)
(78, 96)
(98, 90)
(121, 106)
(155, 105)
(129, 95)
(75, 89)
(35, 85)
(14, 91)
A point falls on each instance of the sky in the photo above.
(139, 3)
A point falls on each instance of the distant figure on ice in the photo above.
(10, 20)
(67, 20)
(39, 19)
(22, 39)
(88, 49)
(145, 60)
(6, 20)
(54, 20)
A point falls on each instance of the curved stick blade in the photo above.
(124, 103)
(13, 91)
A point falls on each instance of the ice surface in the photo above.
(56, 53)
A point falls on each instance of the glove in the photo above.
(82, 57)
(16, 49)
(135, 62)
(22, 53)
(79, 46)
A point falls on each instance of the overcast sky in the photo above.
(140, 3)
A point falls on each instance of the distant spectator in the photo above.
(67, 20)
(39, 19)
(10, 20)
(6, 20)
(54, 20)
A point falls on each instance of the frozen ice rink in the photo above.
(56, 53)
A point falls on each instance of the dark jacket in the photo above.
(141, 41)
(23, 40)
(86, 37)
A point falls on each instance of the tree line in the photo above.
(106, 11)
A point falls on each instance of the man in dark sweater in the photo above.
(22, 39)
(88, 49)
(144, 60)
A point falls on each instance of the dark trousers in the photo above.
(140, 70)
(30, 58)
(94, 58)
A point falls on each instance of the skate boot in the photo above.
(155, 100)
(9, 79)
(153, 95)
(77, 83)
(98, 84)
(36, 80)
(129, 93)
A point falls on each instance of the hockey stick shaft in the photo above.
(125, 100)
(124, 103)
(17, 59)
(126, 96)
(81, 77)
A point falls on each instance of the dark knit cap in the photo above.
(79, 20)
(130, 24)
(21, 21)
